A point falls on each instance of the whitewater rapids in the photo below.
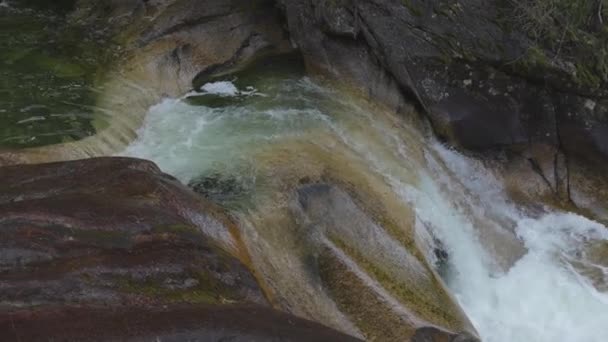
(523, 282)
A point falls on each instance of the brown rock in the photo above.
(112, 231)
(201, 323)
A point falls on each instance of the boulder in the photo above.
(476, 68)
(112, 248)
(172, 42)
(113, 231)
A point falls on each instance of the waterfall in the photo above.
(519, 274)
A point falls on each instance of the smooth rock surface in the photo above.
(199, 323)
(112, 248)
(113, 231)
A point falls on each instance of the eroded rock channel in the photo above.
(331, 170)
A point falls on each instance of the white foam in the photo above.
(224, 88)
(541, 298)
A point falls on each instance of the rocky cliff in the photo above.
(489, 74)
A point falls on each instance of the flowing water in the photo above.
(321, 182)
(519, 274)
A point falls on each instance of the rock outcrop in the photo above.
(165, 46)
(194, 323)
(113, 231)
(483, 81)
(112, 248)
(479, 69)
(379, 280)
(173, 42)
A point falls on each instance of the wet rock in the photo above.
(219, 188)
(112, 248)
(113, 231)
(379, 280)
(479, 76)
(176, 41)
(199, 323)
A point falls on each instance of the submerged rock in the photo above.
(220, 189)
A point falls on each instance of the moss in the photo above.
(429, 301)
(535, 57)
(413, 8)
(586, 77)
(372, 316)
(534, 63)
(568, 31)
(448, 10)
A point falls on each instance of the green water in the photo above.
(48, 69)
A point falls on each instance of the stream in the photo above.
(321, 181)
(529, 280)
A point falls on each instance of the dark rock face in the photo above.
(481, 79)
(112, 248)
(342, 229)
(199, 323)
(112, 232)
(180, 40)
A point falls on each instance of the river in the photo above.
(312, 173)
(234, 128)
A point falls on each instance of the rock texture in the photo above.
(113, 248)
(113, 232)
(175, 41)
(200, 323)
(165, 46)
(481, 76)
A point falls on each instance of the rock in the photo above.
(166, 45)
(199, 323)
(113, 231)
(478, 75)
(176, 41)
(377, 279)
(436, 335)
(219, 188)
(112, 248)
